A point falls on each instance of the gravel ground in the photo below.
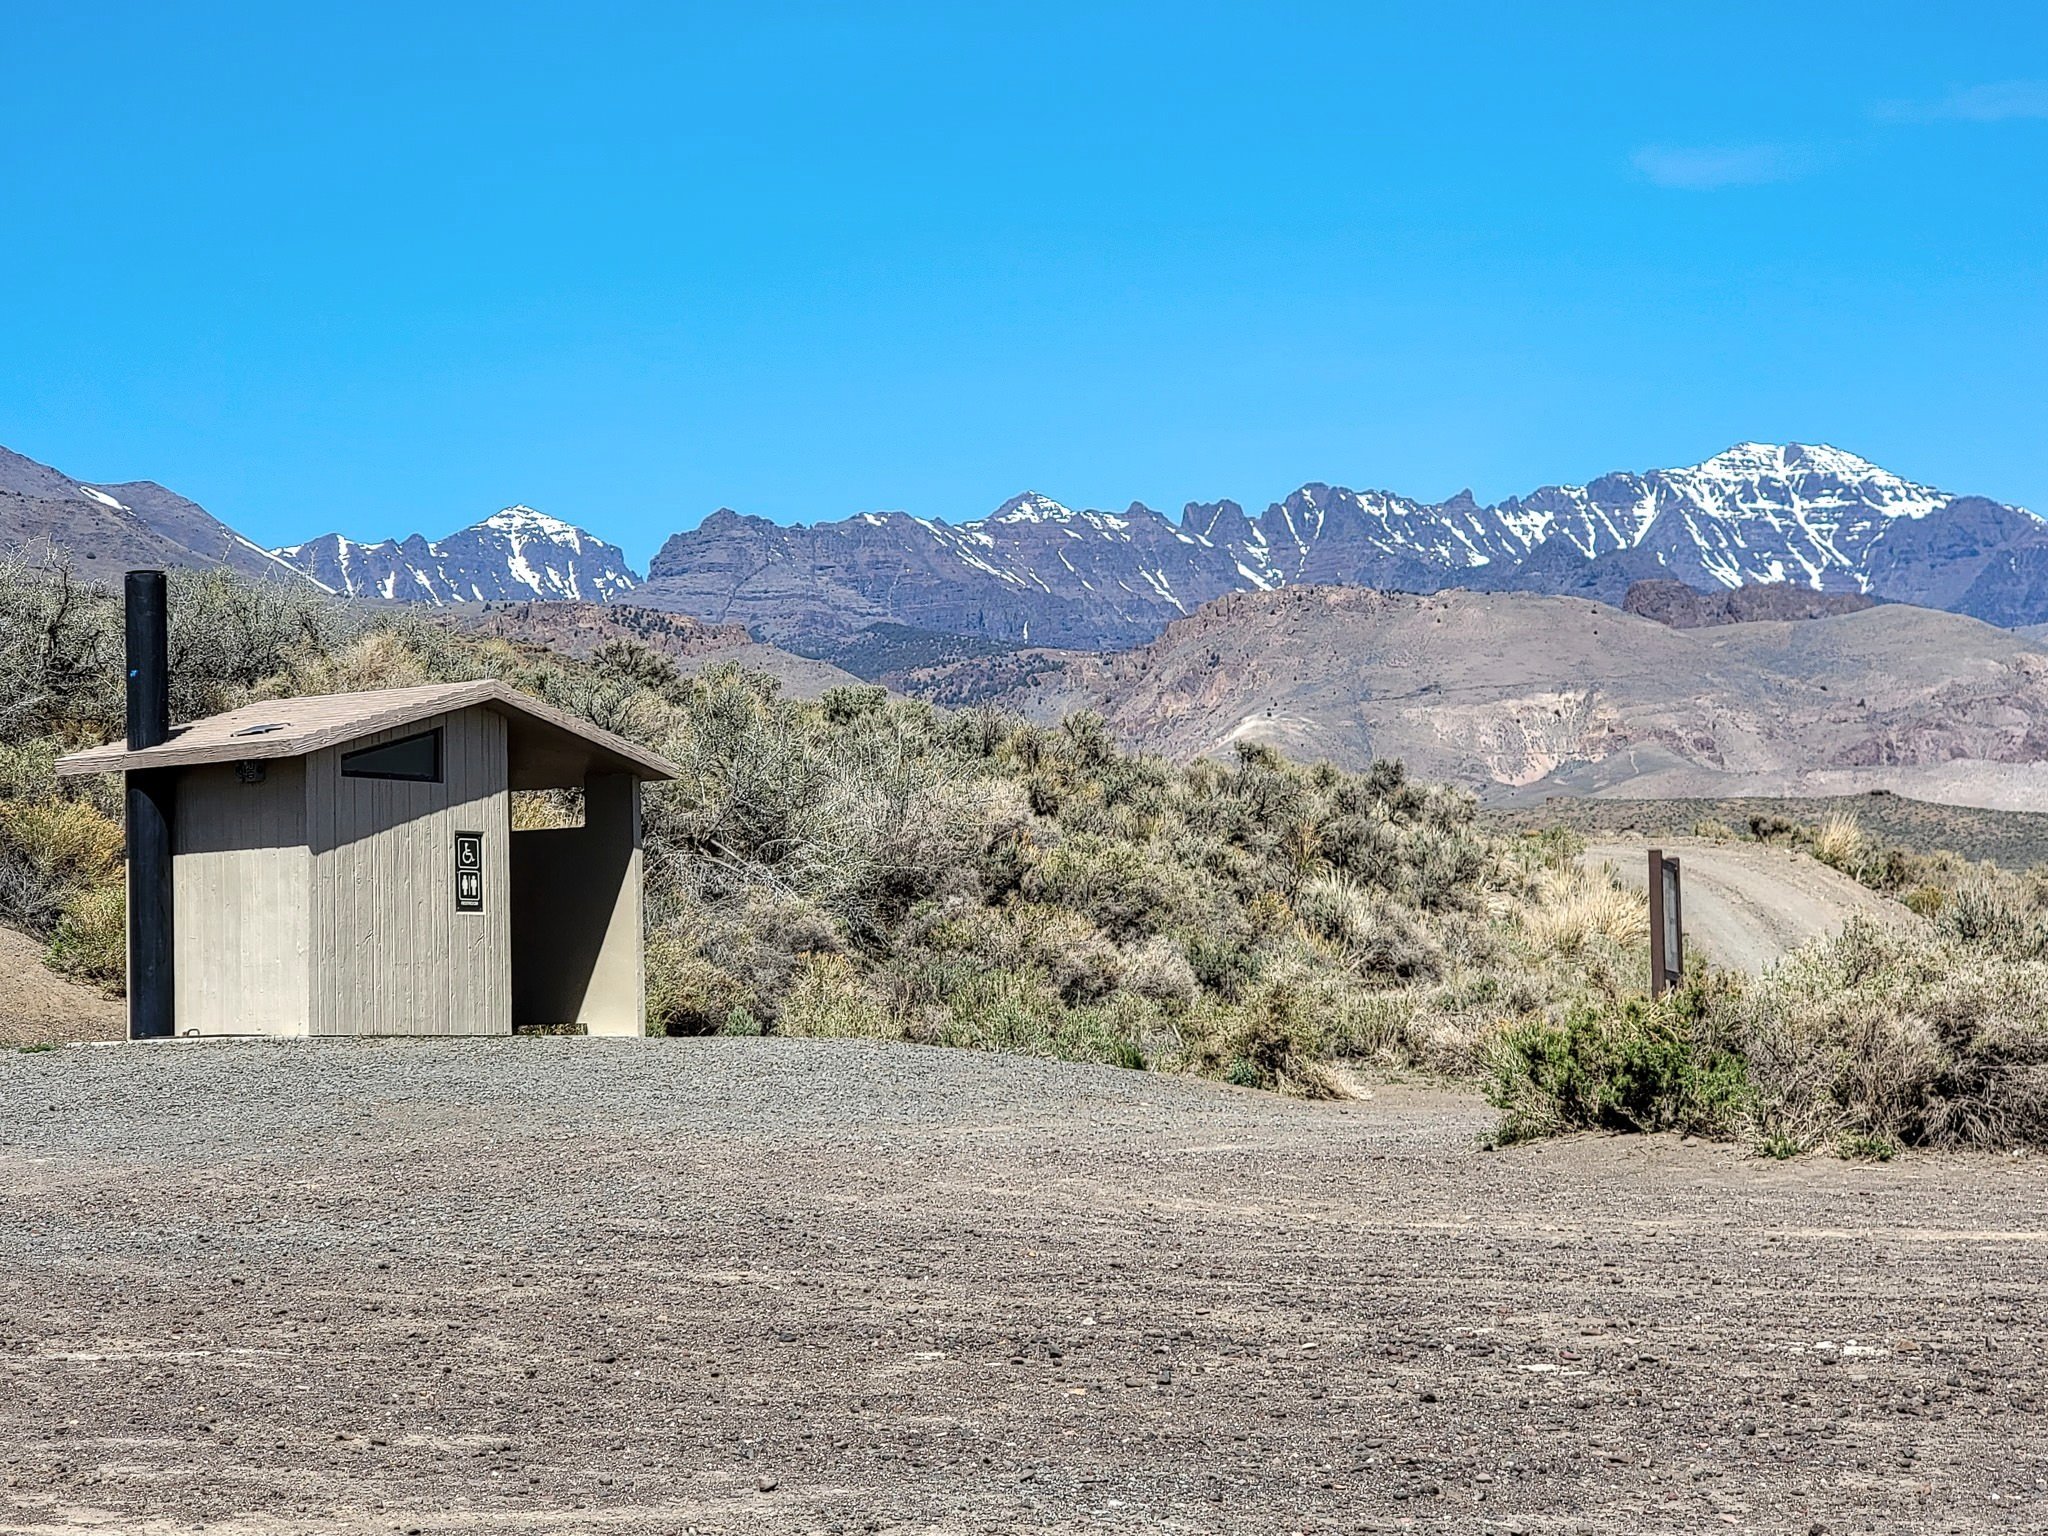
(559, 1285)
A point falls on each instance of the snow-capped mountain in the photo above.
(514, 555)
(1757, 513)
(1035, 569)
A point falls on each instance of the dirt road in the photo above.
(767, 1286)
(1748, 906)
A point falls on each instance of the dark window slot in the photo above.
(417, 758)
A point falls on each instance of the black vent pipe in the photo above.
(152, 1013)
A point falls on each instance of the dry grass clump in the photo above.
(1576, 911)
(1839, 843)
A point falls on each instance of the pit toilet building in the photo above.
(346, 865)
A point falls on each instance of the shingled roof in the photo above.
(294, 727)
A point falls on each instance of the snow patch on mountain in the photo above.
(516, 554)
(1031, 508)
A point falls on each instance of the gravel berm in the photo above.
(564, 1285)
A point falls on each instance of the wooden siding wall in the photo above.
(239, 881)
(578, 949)
(390, 954)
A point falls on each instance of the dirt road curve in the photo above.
(764, 1286)
(1747, 906)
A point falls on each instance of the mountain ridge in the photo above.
(1037, 572)
(517, 553)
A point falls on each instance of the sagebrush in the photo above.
(863, 865)
(859, 865)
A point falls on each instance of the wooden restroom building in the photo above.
(346, 865)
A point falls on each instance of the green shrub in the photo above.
(1636, 1068)
(1083, 965)
(1870, 1149)
(1126, 894)
(686, 993)
(91, 941)
(53, 851)
(1020, 1012)
(1273, 1039)
(826, 999)
(1925, 900)
(1373, 931)
(1223, 965)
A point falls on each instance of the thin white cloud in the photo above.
(1701, 169)
(2003, 101)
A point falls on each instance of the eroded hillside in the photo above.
(1511, 694)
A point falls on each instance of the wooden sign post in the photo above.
(1667, 924)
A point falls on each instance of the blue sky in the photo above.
(385, 269)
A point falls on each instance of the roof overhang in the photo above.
(549, 749)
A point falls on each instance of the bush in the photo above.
(1127, 894)
(1925, 900)
(1015, 1011)
(91, 941)
(1871, 1039)
(1083, 965)
(1274, 1039)
(53, 851)
(827, 999)
(1637, 1068)
(687, 994)
(1158, 969)
(1912, 1039)
(1372, 931)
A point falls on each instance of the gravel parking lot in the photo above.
(561, 1285)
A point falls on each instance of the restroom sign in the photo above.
(469, 871)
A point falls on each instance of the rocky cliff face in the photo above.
(1677, 606)
(1517, 694)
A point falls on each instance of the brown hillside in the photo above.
(1517, 695)
(578, 629)
(39, 1007)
